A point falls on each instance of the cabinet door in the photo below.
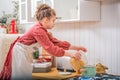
(28, 8)
(66, 9)
(35, 3)
(23, 11)
(89, 10)
(49, 2)
(77, 10)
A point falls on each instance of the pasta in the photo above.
(77, 65)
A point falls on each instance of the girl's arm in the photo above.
(74, 47)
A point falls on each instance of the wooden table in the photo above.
(53, 75)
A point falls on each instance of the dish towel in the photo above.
(7, 67)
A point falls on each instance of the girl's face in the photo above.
(50, 22)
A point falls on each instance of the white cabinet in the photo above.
(89, 11)
(77, 10)
(35, 3)
(23, 10)
(28, 7)
(66, 10)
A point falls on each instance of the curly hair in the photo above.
(44, 10)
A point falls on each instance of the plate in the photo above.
(65, 73)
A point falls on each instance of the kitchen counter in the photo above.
(53, 75)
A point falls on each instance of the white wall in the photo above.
(102, 39)
(7, 6)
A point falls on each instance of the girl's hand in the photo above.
(77, 55)
(73, 47)
(82, 48)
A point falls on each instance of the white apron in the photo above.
(22, 61)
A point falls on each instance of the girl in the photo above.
(46, 16)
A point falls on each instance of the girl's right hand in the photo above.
(76, 55)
